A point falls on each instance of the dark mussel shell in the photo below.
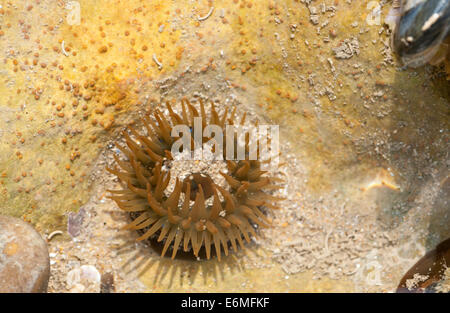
(422, 27)
(432, 266)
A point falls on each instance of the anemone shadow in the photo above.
(142, 259)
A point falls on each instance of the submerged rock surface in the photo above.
(24, 259)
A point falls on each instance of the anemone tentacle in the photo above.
(169, 216)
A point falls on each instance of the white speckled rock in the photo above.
(24, 260)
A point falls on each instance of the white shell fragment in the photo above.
(83, 279)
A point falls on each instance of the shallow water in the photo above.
(364, 133)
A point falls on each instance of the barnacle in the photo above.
(198, 213)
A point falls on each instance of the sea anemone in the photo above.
(198, 212)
